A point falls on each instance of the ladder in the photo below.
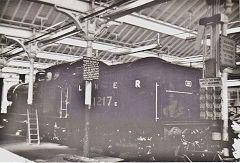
(33, 126)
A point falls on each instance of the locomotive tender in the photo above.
(138, 108)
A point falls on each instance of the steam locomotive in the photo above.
(138, 109)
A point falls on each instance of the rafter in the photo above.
(134, 35)
(37, 13)
(65, 49)
(176, 9)
(188, 46)
(141, 36)
(109, 55)
(5, 8)
(16, 10)
(126, 34)
(155, 8)
(58, 48)
(56, 18)
(150, 36)
(27, 11)
(166, 8)
(77, 51)
(190, 49)
(75, 5)
(115, 29)
(186, 9)
(178, 45)
(166, 41)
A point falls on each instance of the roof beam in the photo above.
(57, 56)
(168, 40)
(83, 7)
(153, 24)
(22, 33)
(139, 49)
(133, 7)
(232, 83)
(52, 56)
(142, 21)
(27, 64)
(75, 5)
(233, 30)
(156, 25)
(17, 70)
(134, 19)
(15, 32)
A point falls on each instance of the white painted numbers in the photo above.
(102, 101)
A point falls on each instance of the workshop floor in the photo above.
(46, 152)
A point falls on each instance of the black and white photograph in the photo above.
(119, 81)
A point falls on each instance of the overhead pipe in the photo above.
(8, 51)
(59, 37)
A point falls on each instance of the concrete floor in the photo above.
(45, 152)
(7, 156)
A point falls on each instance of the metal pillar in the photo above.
(225, 106)
(215, 38)
(30, 85)
(215, 53)
(225, 95)
(224, 80)
(3, 63)
(212, 65)
(88, 96)
(31, 50)
(91, 28)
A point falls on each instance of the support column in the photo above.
(30, 85)
(212, 64)
(225, 106)
(215, 32)
(224, 95)
(91, 28)
(88, 97)
(224, 80)
(2, 64)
